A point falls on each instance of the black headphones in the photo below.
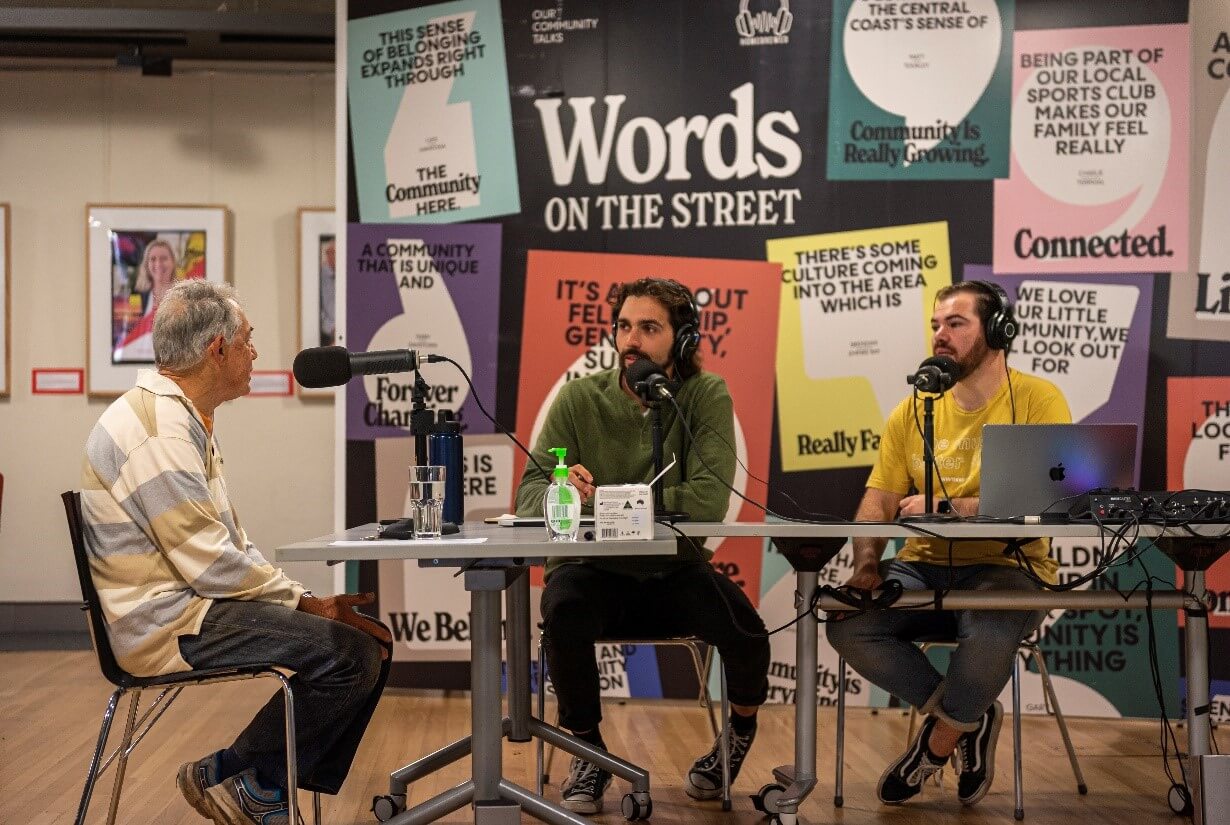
(687, 326)
(999, 325)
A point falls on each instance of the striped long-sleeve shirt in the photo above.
(163, 539)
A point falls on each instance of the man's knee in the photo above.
(359, 655)
(568, 615)
(841, 633)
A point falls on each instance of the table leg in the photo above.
(517, 642)
(1196, 665)
(800, 778)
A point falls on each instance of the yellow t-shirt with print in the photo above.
(958, 456)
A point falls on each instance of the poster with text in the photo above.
(434, 290)
(1198, 458)
(1100, 133)
(1088, 335)
(571, 320)
(428, 609)
(430, 120)
(1200, 297)
(855, 318)
(920, 91)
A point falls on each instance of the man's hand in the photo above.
(342, 609)
(913, 505)
(583, 480)
(865, 579)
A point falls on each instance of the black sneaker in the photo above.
(975, 756)
(704, 780)
(904, 778)
(582, 790)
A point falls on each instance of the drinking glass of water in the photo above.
(427, 500)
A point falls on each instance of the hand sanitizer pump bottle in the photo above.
(561, 505)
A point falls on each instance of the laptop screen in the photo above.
(1028, 469)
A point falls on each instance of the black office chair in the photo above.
(171, 684)
(702, 663)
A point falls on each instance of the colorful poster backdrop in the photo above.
(1198, 458)
(571, 338)
(427, 609)
(1099, 152)
(855, 313)
(571, 324)
(431, 123)
(919, 91)
(431, 289)
(1200, 298)
(1087, 334)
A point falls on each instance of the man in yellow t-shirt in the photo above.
(972, 323)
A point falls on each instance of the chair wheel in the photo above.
(1180, 799)
(636, 806)
(765, 800)
(388, 806)
(784, 818)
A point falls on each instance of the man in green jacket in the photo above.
(608, 434)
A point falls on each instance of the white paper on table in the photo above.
(369, 542)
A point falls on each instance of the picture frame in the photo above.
(134, 252)
(5, 348)
(317, 265)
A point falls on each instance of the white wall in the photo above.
(259, 143)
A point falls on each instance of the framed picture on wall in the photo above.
(134, 254)
(317, 283)
(5, 365)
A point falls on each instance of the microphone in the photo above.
(935, 374)
(648, 380)
(317, 367)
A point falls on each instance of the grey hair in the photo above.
(191, 314)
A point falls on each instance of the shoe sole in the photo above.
(986, 786)
(201, 803)
(698, 793)
(580, 806)
(889, 769)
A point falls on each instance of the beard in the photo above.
(972, 359)
(634, 354)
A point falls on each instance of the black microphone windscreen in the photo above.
(640, 369)
(322, 367)
(944, 364)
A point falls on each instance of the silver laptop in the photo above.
(1029, 469)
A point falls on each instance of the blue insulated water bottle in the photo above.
(444, 448)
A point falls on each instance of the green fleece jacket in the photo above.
(608, 432)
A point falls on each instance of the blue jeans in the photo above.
(880, 644)
(338, 681)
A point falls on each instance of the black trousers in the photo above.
(338, 681)
(582, 605)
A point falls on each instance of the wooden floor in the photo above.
(53, 701)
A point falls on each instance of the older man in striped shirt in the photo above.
(182, 587)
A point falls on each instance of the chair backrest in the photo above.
(89, 594)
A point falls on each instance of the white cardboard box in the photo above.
(624, 512)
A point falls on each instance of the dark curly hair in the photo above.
(679, 304)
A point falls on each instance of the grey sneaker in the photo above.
(582, 790)
(975, 756)
(194, 779)
(240, 800)
(704, 780)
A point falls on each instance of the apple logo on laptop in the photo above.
(1057, 472)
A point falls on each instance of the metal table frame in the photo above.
(799, 779)
(499, 565)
